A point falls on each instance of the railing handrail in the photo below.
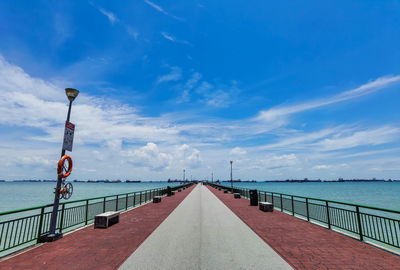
(76, 201)
(323, 200)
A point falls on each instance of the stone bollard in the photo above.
(179, 190)
(225, 191)
(157, 199)
(266, 207)
(236, 195)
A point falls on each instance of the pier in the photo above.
(202, 227)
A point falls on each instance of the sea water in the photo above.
(378, 194)
(18, 195)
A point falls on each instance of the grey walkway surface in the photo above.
(202, 233)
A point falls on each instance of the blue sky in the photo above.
(286, 89)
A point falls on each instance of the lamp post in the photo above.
(52, 236)
(184, 175)
(212, 177)
(231, 178)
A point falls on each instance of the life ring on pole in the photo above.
(62, 170)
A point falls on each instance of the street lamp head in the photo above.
(71, 93)
(231, 161)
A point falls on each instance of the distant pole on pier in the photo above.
(212, 177)
(184, 175)
(231, 178)
(71, 94)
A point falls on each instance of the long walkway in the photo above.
(309, 246)
(202, 233)
(91, 248)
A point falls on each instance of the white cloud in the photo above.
(174, 75)
(150, 157)
(365, 89)
(174, 39)
(160, 9)
(114, 140)
(238, 151)
(111, 16)
(321, 167)
(372, 137)
(189, 85)
(168, 36)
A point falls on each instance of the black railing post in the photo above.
(104, 204)
(126, 202)
(116, 203)
(308, 213)
(327, 214)
(272, 199)
(87, 212)
(140, 198)
(292, 205)
(62, 217)
(134, 199)
(359, 223)
(40, 225)
(281, 203)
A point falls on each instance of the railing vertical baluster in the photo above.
(116, 203)
(62, 217)
(87, 212)
(104, 204)
(308, 213)
(359, 223)
(281, 203)
(292, 205)
(24, 233)
(126, 202)
(327, 215)
(39, 233)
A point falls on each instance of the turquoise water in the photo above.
(17, 195)
(385, 194)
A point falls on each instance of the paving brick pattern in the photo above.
(308, 246)
(91, 248)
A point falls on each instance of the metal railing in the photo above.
(24, 227)
(367, 223)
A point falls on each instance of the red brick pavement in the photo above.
(308, 246)
(101, 248)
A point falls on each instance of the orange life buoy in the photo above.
(61, 165)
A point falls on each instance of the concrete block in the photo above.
(157, 199)
(266, 206)
(236, 195)
(106, 219)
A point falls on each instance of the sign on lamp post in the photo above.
(68, 136)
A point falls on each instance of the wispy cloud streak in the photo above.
(368, 88)
(160, 9)
(111, 16)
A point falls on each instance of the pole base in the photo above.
(50, 237)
